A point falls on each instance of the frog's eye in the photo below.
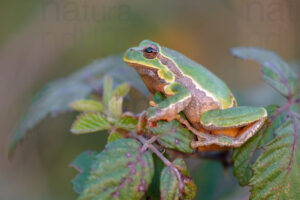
(150, 52)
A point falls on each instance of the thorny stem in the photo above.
(295, 134)
(149, 145)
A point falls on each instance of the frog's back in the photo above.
(204, 78)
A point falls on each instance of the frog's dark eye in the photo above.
(150, 52)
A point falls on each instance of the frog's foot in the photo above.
(152, 104)
(141, 120)
(226, 141)
(200, 134)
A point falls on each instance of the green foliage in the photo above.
(87, 105)
(171, 187)
(275, 71)
(244, 155)
(121, 171)
(269, 161)
(173, 136)
(89, 122)
(113, 137)
(82, 164)
(57, 96)
(132, 165)
(277, 170)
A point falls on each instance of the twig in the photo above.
(150, 146)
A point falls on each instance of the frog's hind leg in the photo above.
(199, 134)
(248, 119)
(226, 141)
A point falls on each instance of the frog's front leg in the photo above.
(246, 121)
(178, 98)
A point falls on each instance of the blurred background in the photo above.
(42, 40)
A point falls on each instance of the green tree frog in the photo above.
(209, 107)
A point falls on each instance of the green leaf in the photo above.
(275, 71)
(82, 164)
(173, 136)
(242, 160)
(153, 191)
(87, 105)
(107, 90)
(169, 182)
(53, 99)
(127, 123)
(113, 137)
(121, 171)
(90, 122)
(115, 106)
(158, 97)
(57, 96)
(121, 90)
(244, 155)
(277, 170)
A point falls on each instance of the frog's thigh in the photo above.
(230, 118)
(251, 118)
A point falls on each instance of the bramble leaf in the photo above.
(90, 122)
(244, 155)
(121, 171)
(82, 164)
(275, 71)
(153, 191)
(173, 136)
(57, 96)
(115, 106)
(127, 123)
(113, 137)
(277, 170)
(170, 187)
(87, 105)
(121, 90)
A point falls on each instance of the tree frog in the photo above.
(210, 109)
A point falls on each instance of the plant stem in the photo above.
(149, 145)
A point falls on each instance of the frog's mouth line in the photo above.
(138, 64)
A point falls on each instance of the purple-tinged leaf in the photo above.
(173, 136)
(275, 71)
(175, 182)
(121, 171)
(244, 156)
(277, 170)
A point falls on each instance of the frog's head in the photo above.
(145, 58)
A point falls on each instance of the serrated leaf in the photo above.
(153, 191)
(244, 155)
(121, 171)
(169, 183)
(115, 106)
(277, 170)
(56, 96)
(90, 122)
(87, 106)
(173, 136)
(127, 123)
(82, 164)
(275, 71)
(113, 137)
(121, 90)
